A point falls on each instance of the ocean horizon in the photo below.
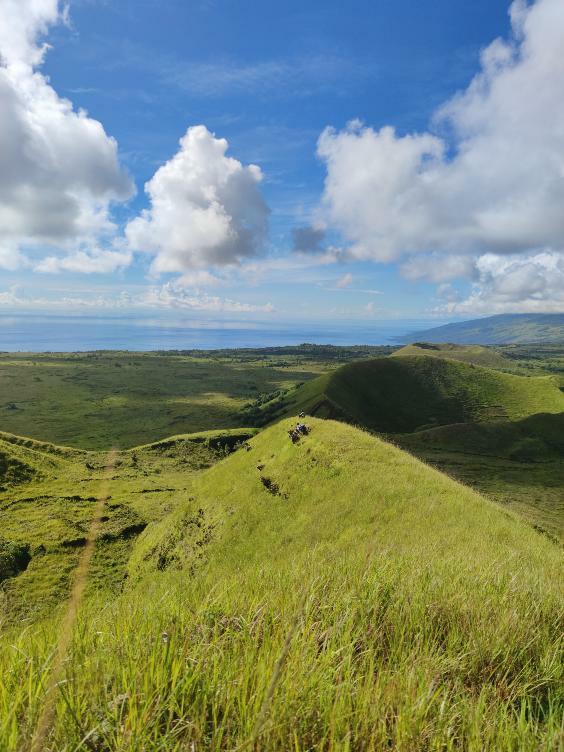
(67, 333)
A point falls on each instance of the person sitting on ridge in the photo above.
(294, 435)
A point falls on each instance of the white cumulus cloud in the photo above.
(23, 21)
(524, 283)
(206, 208)
(489, 177)
(59, 170)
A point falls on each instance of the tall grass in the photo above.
(376, 655)
(369, 604)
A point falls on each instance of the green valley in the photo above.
(101, 399)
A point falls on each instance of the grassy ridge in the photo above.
(356, 600)
(476, 354)
(520, 463)
(496, 431)
(537, 438)
(47, 497)
(409, 393)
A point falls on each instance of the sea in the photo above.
(67, 333)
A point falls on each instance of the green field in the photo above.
(246, 592)
(102, 399)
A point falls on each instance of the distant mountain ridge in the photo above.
(503, 329)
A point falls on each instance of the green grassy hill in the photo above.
(495, 431)
(537, 438)
(476, 354)
(409, 393)
(329, 595)
(23, 459)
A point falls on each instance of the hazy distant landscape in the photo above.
(75, 333)
(504, 329)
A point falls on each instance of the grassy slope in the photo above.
(363, 601)
(476, 354)
(409, 393)
(518, 463)
(538, 438)
(501, 329)
(47, 497)
(335, 484)
(469, 412)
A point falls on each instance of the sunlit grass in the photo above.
(384, 654)
(371, 603)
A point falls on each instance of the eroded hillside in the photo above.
(47, 500)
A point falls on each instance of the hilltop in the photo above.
(331, 593)
(263, 501)
(496, 431)
(476, 354)
(503, 329)
(412, 392)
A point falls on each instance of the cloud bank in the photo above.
(59, 169)
(169, 296)
(488, 179)
(530, 283)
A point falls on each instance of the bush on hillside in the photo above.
(13, 471)
(14, 558)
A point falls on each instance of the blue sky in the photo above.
(358, 223)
